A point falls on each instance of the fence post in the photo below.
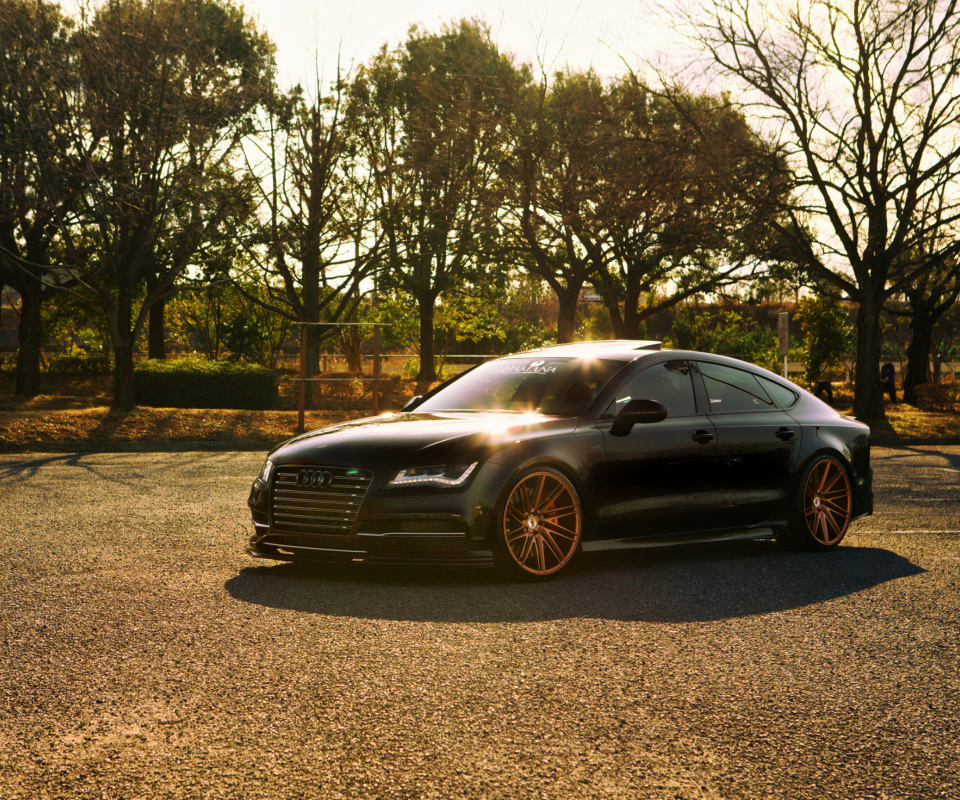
(303, 375)
(376, 369)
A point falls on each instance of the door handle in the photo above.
(785, 434)
(702, 437)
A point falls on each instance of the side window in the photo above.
(781, 395)
(669, 384)
(732, 390)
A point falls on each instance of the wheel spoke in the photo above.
(535, 505)
(841, 492)
(512, 535)
(541, 556)
(823, 476)
(829, 486)
(525, 506)
(516, 513)
(831, 520)
(525, 551)
(558, 529)
(566, 511)
(834, 504)
(822, 526)
(553, 546)
(551, 498)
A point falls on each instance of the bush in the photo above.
(197, 383)
(79, 364)
(938, 396)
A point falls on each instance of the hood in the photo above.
(415, 439)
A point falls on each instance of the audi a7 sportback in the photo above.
(528, 460)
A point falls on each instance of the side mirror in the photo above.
(412, 403)
(637, 412)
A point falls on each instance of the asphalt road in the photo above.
(144, 655)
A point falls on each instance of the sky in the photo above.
(602, 34)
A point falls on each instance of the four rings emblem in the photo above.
(314, 478)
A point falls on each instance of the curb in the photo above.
(140, 447)
(918, 442)
(252, 446)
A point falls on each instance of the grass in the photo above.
(74, 413)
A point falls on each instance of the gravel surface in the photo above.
(145, 655)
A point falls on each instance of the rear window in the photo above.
(781, 395)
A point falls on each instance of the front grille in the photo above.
(328, 509)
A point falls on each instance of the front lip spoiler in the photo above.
(408, 558)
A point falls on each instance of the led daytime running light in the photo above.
(409, 476)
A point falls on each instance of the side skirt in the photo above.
(640, 542)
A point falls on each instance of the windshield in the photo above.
(554, 386)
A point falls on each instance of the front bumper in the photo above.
(417, 526)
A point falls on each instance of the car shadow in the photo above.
(678, 584)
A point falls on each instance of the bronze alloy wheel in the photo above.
(541, 523)
(827, 502)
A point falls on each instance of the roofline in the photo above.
(601, 347)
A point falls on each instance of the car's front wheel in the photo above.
(824, 505)
(539, 525)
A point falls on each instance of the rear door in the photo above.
(757, 446)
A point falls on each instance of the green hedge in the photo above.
(196, 383)
(79, 364)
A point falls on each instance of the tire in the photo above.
(538, 526)
(823, 506)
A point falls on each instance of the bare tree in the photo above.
(865, 95)
(316, 242)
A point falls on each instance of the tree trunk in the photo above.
(918, 353)
(121, 325)
(123, 394)
(156, 331)
(611, 301)
(567, 317)
(867, 392)
(31, 343)
(312, 356)
(350, 344)
(616, 320)
(428, 371)
(631, 314)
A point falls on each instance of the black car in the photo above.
(529, 459)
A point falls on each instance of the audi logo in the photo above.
(314, 478)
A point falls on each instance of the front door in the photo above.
(660, 478)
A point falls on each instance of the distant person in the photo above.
(824, 388)
(888, 381)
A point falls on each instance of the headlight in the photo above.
(449, 475)
(267, 471)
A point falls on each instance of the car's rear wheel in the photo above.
(539, 525)
(824, 505)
